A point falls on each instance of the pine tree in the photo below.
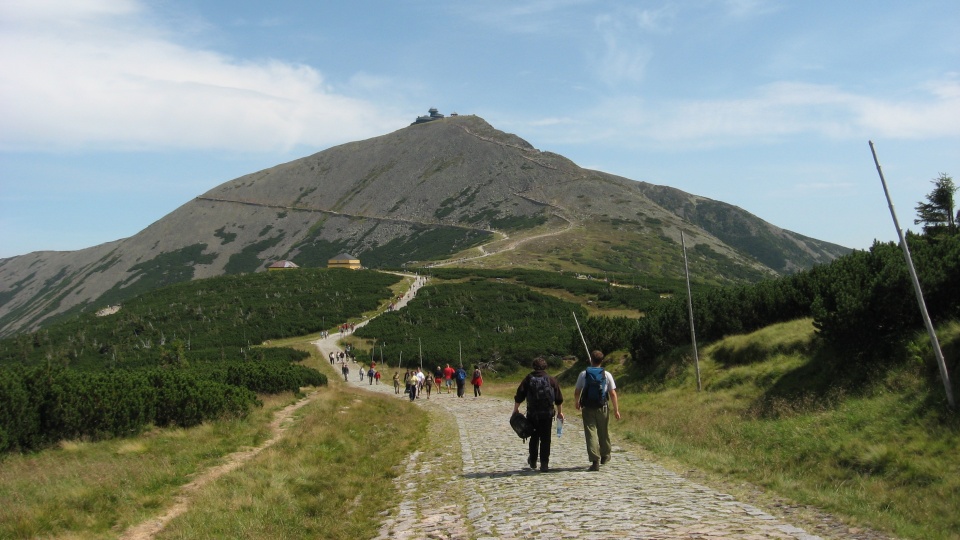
(938, 211)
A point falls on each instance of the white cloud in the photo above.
(97, 74)
(781, 110)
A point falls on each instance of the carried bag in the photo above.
(521, 426)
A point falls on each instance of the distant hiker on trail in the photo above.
(361, 372)
(331, 358)
(594, 386)
(396, 382)
(370, 373)
(438, 377)
(420, 378)
(461, 376)
(412, 384)
(428, 384)
(476, 380)
(542, 393)
(448, 373)
(346, 372)
(376, 375)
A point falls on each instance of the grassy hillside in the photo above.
(879, 448)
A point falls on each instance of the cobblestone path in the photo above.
(475, 483)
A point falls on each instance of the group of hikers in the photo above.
(595, 393)
(595, 387)
(415, 381)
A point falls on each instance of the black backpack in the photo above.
(540, 396)
(594, 393)
(521, 426)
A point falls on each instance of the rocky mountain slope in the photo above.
(452, 191)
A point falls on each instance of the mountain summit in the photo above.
(451, 191)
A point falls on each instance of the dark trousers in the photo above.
(540, 440)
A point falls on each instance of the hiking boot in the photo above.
(544, 467)
(595, 466)
(533, 462)
(604, 460)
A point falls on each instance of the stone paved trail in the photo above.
(478, 485)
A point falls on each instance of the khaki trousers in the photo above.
(595, 423)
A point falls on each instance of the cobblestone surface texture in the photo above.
(497, 495)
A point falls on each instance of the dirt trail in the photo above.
(148, 529)
(281, 421)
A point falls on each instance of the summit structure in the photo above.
(434, 115)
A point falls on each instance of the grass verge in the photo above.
(97, 489)
(880, 453)
(331, 476)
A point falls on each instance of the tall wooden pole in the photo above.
(934, 342)
(693, 332)
(581, 336)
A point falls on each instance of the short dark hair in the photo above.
(539, 363)
(596, 357)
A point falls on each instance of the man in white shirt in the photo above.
(595, 386)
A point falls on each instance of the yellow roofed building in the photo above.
(344, 260)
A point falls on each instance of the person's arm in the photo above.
(616, 404)
(559, 399)
(577, 389)
(520, 396)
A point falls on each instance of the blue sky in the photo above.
(115, 112)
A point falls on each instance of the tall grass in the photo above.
(881, 452)
(330, 477)
(97, 489)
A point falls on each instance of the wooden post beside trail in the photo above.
(934, 342)
(693, 332)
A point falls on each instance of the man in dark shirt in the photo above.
(544, 400)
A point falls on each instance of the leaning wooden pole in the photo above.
(581, 336)
(693, 332)
(916, 286)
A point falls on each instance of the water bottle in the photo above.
(559, 427)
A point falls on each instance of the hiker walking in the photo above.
(461, 376)
(544, 400)
(412, 384)
(438, 377)
(428, 384)
(346, 372)
(361, 372)
(594, 386)
(370, 373)
(396, 382)
(448, 373)
(476, 380)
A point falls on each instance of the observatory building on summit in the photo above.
(434, 115)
